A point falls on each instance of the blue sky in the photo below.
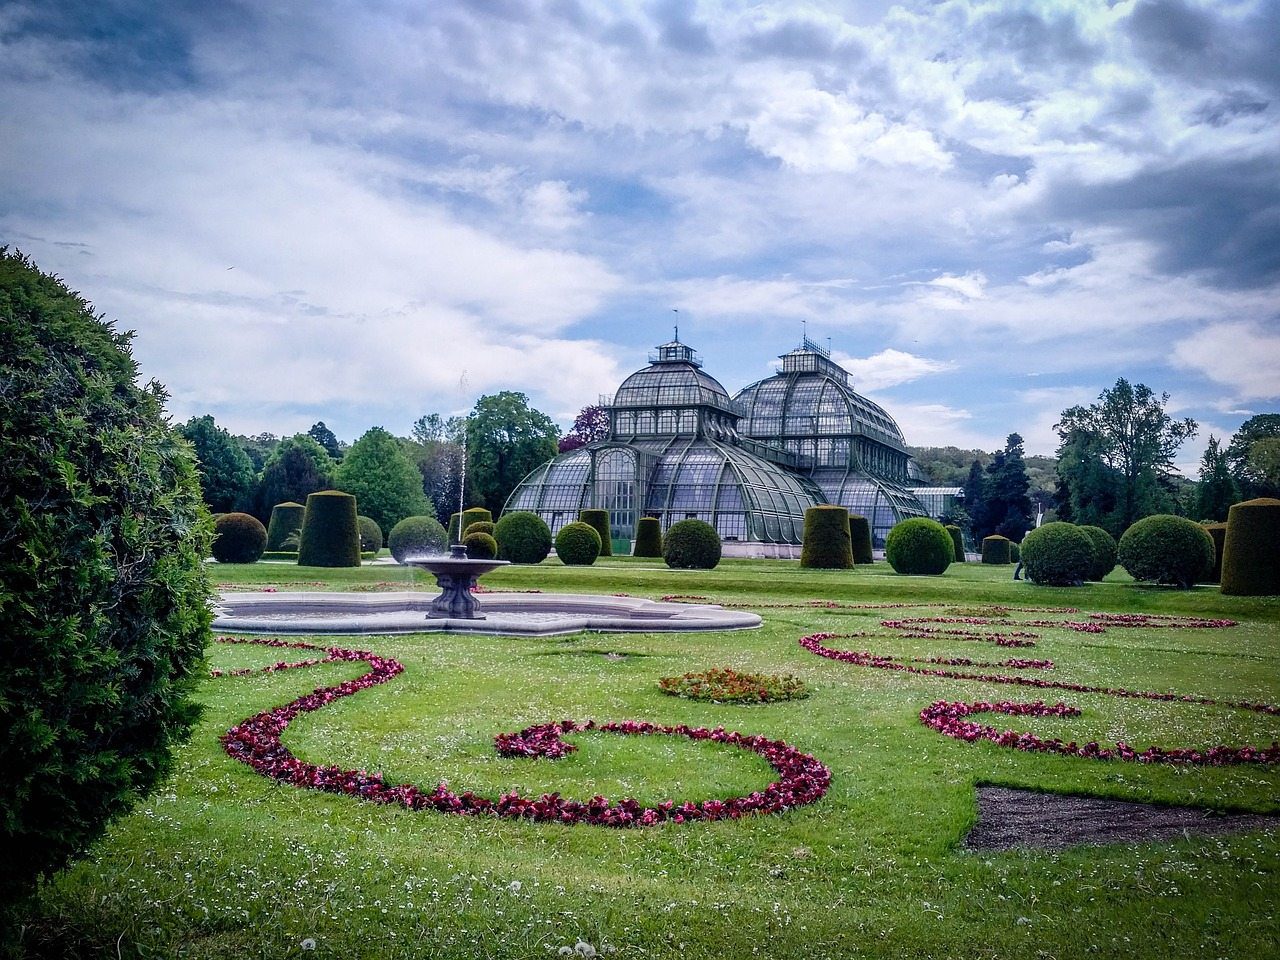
(362, 212)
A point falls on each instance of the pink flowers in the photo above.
(802, 779)
(726, 685)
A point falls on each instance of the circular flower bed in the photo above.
(726, 685)
(802, 779)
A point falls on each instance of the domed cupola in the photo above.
(673, 396)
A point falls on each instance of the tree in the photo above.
(104, 612)
(1264, 465)
(506, 438)
(1217, 489)
(975, 495)
(1008, 507)
(439, 464)
(432, 428)
(1086, 492)
(1131, 434)
(383, 479)
(227, 475)
(1264, 426)
(258, 448)
(591, 424)
(325, 437)
(298, 466)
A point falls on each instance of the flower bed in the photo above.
(257, 742)
(725, 685)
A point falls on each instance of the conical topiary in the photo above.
(648, 537)
(1251, 553)
(995, 550)
(860, 538)
(473, 515)
(330, 532)
(1218, 534)
(286, 520)
(827, 544)
(957, 537)
(599, 519)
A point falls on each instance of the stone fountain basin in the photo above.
(513, 614)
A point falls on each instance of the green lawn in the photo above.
(224, 862)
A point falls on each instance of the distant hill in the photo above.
(949, 467)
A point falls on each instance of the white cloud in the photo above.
(1241, 356)
(888, 368)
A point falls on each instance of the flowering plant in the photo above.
(726, 685)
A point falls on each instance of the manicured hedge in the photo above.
(860, 539)
(238, 538)
(919, 545)
(1167, 549)
(330, 533)
(417, 537)
(455, 534)
(578, 544)
(1251, 555)
(1218, 534)
(826, 538)
(474, 515)
(691, 545)
(480, 526)
(480, 546)
(957, 540)
(370, 535)
(599, 519)
(286, 522)
(995, 550)
(648, 537)
(523, 537)
(1104, 552)
(1057, 555)
(1015, 552)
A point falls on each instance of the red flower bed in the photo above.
(725, 685)
(257, 742)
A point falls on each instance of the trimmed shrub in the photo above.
(416, 537)
(1104, 552)
(455, 534)
(330, 533)
(480, 546)
(919, 545)
(1218, 534)
(648, 537)
(480, 526)
(1167, 549)
(370, 535)
(286, 521)
(104, 618)
(238, 538)
(523, 537)
(474, 515)
(1251, 554)
(578, 544)
(860, 539)
(691, 545)
(957, 539)
(995, 550)
(826, 538)
(599, 519)
(1015, 552)
(1057, 555)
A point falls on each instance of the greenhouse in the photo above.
(679, 447)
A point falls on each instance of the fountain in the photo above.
(456, 575)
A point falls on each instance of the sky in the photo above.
(363, 212)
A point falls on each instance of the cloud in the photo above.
(888, 368)
(1242, 357)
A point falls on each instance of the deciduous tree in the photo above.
(506, 438)
(227, 475)
(383, 479)
(298, 466)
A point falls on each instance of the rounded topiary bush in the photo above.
(995, 550)
(1166, 549)
(1251, 554)
(238, 538)
(860, 538)
(1104, 552)
(523, 537)
(919, 545)
(480, 546)
(1057, 555)
(826, 538)
(599, 519)
(578, 544)
(1015, 552)
(691, 545)
(330, 531)
(480, 526)
(474, 515)
(648, 537)
(104, 619)
(1218, 534)
(957, 540)
(417, 537)
(286, 523)
(370, 534)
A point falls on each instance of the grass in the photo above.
(223, 862)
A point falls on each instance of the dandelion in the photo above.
(308, 944)
(584, 949)
(514, 886)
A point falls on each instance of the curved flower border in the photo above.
(257, 742)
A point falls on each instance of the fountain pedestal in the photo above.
(456, 575)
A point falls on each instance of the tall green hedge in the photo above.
(995, 550)
(238, 538)
(860, 539)
(691, 545)
(473, 515)
(919, 545)
(330, 532)
(1057, 555)
(103, 586)
(523, 537)
(648, 537)
(286, 520)
(1104, 552)
(1167, 549)
(599, 519)
(1251, 555)
(578, 544)
(826, 544)
(957, 540)
(1218, 534)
